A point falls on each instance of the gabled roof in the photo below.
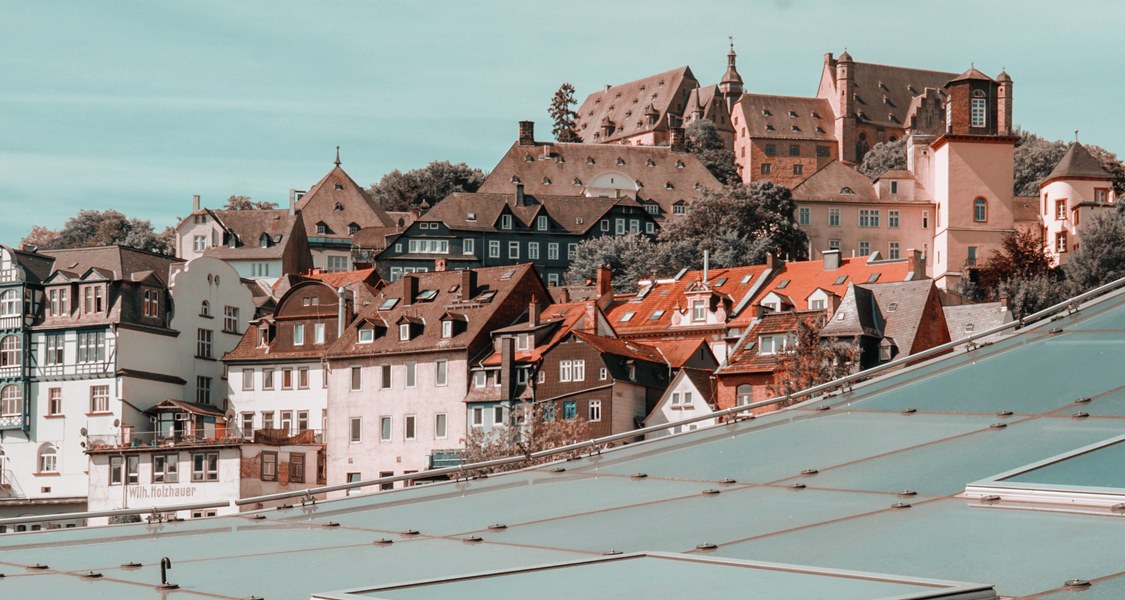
(623, 348)
(117, 262)
(625, 105)
(836, 182)
(858, 315)
(37, 267)
(786, 117)
(481, 212)
(704, 383)
(679, 352)
(545, 168)
(560, 318)
(337, 188)
(745, 357)
(968, 319)
(171, 404)
(1077, 163)
(248, 226)
(883, 93)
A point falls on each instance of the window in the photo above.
(447, 328)
(541, 223)
(698, 310)
(893, 219)
(55, 349)
(165, 468)
(892, 251)
(11, 354)
(745, 393)
(552, 251)
(230, 319)
(366, 335)
(1060, 210)
(409, 431)
(440, 424)
(91, 347)
(1060, 242)
(833, 217)
(571, 251)
(833, 244)
(765, 168)
(480, 379)
(468, 246)
(267, 379)
(771, 149)
(925, 219)
(205, 309)
(570, 410)
(267, 419)
(794, 150)
(1101, 195)
(978, 116)
(269, 466)
(478, 416)
(94, 299)
(11, 401)
(441, 372)
(803, 215)
(798, 169)
(565, 370)
(48, 459)
(203, 389)
(54, 401)
(594, 410)
(650, 227)
(58, 304)
(971, 258)
(864, 248)
(497, 415)
(894, 189)
(355, 430)
(205, 466)
(980, 210)
(494, 248)
(385, 377)
(411, 371)
(605, 225)
(302, 420)
(823, 152)
(513, 249)
(99, 398)
(384, 429)
(357, 378)
(679, 209)
(403, 332)
(868, 217)
(505, 221)
(318, 333)
(203, 343)
(579, 370)
(199, 243)
(533, 250)
(603, 374)
(248, 425)
(297, 467)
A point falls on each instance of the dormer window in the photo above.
(698, 310)
(447, 329)
(541, 223)
(515, 179)
(263, 336)
(404, 332)
(264, 241)
(589, 160)
(353, 228)
(366, 335)
(523, 341)
(620, 161)
(93, 299)
(339, 186)
(847, 191)
(978, 114)
(338, 206)
(322, 228)
(505, 221)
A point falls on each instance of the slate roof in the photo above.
(625, 105)
(787, 117)
(116, 262)
(704, 384)
(545, 168)
(356, 206)
(883, 93)
(248, 226)
(1077, 163)
(858, 315)
(971, 74)
(481, 212)
(37, 267)
(967, 319)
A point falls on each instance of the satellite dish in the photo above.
(230, 414)
(117, 422)
(82, 431)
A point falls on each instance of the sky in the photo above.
(138, 105)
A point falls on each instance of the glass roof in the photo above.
(1098, 467)
(850, 514)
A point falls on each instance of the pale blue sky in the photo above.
(137, 105)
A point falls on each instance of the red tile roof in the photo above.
(562, 317)
(625, 105)
(619, 347)
(678, 352)
(369, 276)
(786, 117)
(745, 358)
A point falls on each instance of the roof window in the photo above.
(388, 304)
(893, 306)
(784, 283)
(625, 318)
(873, 278)
(792, 113)
(840, 280)
(656, 314)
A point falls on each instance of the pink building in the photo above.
(1076, 190)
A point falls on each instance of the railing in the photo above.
(8, 486)
(231, 435)
(597, 444)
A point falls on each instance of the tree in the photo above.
(629, 257)
(704, 141)
(1020, 256)
(103, 228)
(1100, 258)
(533, 428)
(425, 186)
(562, 115)
(1029, 295)
(811, 361)
(883, 157)
(1036, 156)
(245, 203)
(739, 224)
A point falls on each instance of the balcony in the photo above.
(9, 489)
(11, 422)
(221, 437)
(441, 459)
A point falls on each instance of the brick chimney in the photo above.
(831, 259)
(441, 264)
(521, 199)
(507, 362)
(468, 284)
(527, 133)
(590, 321)
(677, 140)
(917, 264)
(409, 288)
(195, 204)
(771, 261)
(533, 311)
(604, 281)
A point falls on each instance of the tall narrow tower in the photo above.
(845, 118)
(731, 85)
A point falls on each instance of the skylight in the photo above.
(784, 283)
(873, 278)
(388, 304)
(892, 307)
(745, 279)
(840, 280)
(625, 318)
(427, 295)
(720, 281)
(656, 314)
(507, 274)
(486, 296)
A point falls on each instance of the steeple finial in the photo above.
(1075, 135)
(337, 156)
(731, 38)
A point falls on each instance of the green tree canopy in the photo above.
(245, 203)
(563, 117)
(1100, 258)
(883, 157)
(103, 228)
(1020, 256)
(811, 361)
(1036, 156)
(703, 140)
(426, 186)
(629, 257)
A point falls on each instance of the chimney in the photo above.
(677, 140)
(468, 284)
(917, 265)
(521, 200)
(527, 133)
(440, 264)
(294, 196)
(1004, 105)
(195, 204)
(410, 288)
(831, 259)
(706, 266)
(590, 321)
(341, 313)
(1003, 301)
(564, 295)
(507, 356)
(605, 281)
(533, 311)
(771, 261)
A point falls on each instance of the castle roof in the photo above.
(1077, 163)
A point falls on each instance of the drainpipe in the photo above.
(340, 313)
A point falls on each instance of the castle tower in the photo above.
(1076, 190)
(845, 117)
(731, 85)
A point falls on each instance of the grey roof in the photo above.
(967, 319)
(883, 476)
(1078, 163)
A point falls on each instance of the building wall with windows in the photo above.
(861, 229)
(690, 395)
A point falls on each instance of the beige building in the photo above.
(1074, 192)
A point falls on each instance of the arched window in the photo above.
(205, 309)
(980, 210)
(353, 228)
(48, 459)
(10, 303)
(10, 355)
(745, 394)
(11, 404)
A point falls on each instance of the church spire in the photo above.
(731, 84)
(337, 161)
